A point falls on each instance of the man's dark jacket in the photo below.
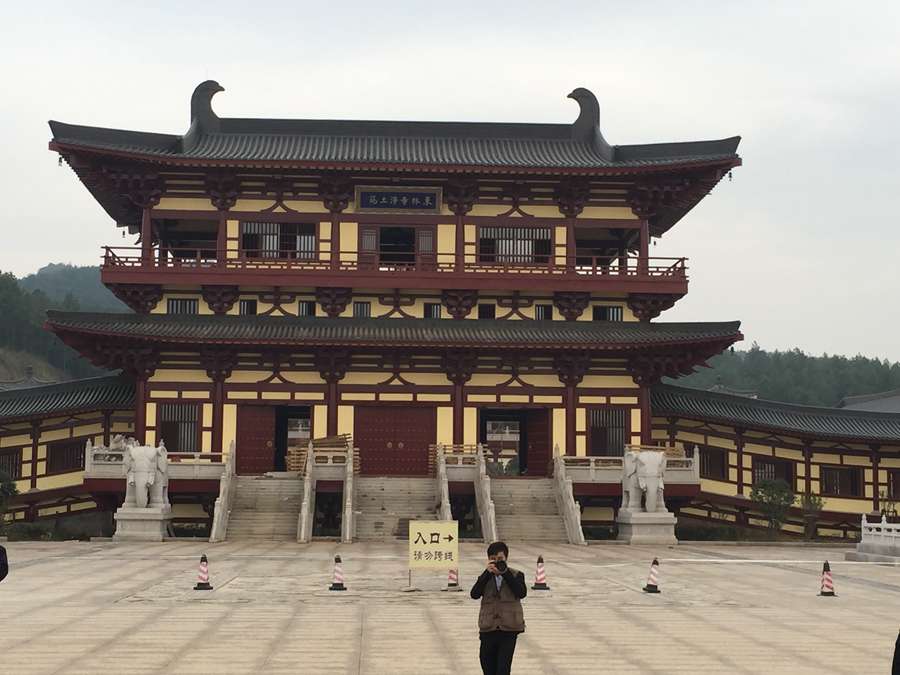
(501, 610)
(4, 564)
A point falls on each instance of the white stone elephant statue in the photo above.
(146, 475)
(643, 475)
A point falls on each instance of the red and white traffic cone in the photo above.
(827, 582)
(203, 575)
(453, 581)
(653, 580)
(540, 576)
(337, 581)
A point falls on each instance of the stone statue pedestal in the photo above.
(640, 527)
(148, 524)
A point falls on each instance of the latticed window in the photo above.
(306, 308)
(515, 245)
(606, 433)
(362, 310)
(278, 240)
(765, 468)
(182, 306)
(543, 312)
(607, 313)
(842, 481)
(432, 310)
(64, 456)
(247, 307)
(713, 463)
(179, 427)
(11, 463)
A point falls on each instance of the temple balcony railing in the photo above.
(352, 267)
(680, 469)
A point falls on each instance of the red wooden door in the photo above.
(537, 433)
(255, 445)
(393, 441)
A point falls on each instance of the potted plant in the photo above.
(812, 505)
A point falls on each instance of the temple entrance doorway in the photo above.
(264, 435)
(394, 440)
(518, 440)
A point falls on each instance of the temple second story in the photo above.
(413, 219)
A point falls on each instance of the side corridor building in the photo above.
(411, 283)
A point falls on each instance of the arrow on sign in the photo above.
(449, 537)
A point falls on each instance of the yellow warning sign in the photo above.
(433, 544)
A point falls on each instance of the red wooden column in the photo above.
(219, 364)
(35, 436)
(332, 367)
(222, 239)
(460, 196)
(645, 247)
(146, 237)
(876, 503)
(739, 444)
(458, 366)
(140, 409)
(335, 191)
(107, 427)
(646, 427)
(570, 369)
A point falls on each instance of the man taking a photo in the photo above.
(501, 589)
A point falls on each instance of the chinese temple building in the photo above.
(419, 288)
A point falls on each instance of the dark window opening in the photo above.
(11, 463)
(306, 308)
(279, 240)
(841, 481)
(543, 312)
(487, 311)
(179, 427)
(713, 463)
(514, 245)
(397, 245)
(607, 313)
(597, 251)
(606, 431)
(362, 310)
(894, 485)
(182, 306)
(772, 469)
(432, 310)
(247, 307)
(65, 456)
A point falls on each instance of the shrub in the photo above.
(773, 498)
(36, 531)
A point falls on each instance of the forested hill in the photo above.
(23, 308)
(796, 377)
(58, 280)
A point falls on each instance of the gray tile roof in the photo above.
(836, 423)
(110, 392)
(378, 143)
(321, 331)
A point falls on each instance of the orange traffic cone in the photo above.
(337, 580)
(653, 579)
(203, 575)
(827, 588)
(453, 581)
(540, 576)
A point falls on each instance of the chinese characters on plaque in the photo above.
(408, 200)
(433, 544)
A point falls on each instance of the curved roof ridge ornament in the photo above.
(203, 119)
(587, 127)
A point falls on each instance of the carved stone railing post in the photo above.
(446, 513)
(565, 500)
(225, 500)
(483, 499)
(348, 523)
(305, 520)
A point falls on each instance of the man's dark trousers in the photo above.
(4, 565)
(497, 647)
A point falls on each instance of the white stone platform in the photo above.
(640, 527)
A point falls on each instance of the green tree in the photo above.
(8, 490)
(773, 498)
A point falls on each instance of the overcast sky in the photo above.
(802, 246)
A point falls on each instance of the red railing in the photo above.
(122, 258)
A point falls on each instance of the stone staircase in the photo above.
(385, 505)
(265, 508)
(526, 510)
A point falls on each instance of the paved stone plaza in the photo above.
(130, 608)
